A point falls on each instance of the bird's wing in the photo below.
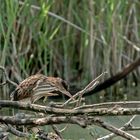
(44, 88)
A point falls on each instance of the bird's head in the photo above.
(62, 86)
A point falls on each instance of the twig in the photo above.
(124, 104)
(117, 110)
(134, 128)
(118, 76)
(85, 90)
(7, 78)
(17, 132)
(82, 121)
(9, 128)
(57, 131)
(115, 130)
(60, 104)
(88, 88)
(63, 129)
(127, 126)
(44, 121)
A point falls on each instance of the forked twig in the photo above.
(88, 88)
(125, 127)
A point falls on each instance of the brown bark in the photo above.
(114, 79)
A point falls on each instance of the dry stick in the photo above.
(57, 131)
(124, 104)
(127, 126)
(17, 132)
(84, 91)
(82, 121)
(88, 88)
(63, 129)
(114, 79)
(9, 128)
(71, 112)
(44, 121)
(115, 130)
(60, 104)
(7, 78)
(133, 128)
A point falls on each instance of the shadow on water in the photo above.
(75, 132)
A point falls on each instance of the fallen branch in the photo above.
(88, 88)
(82, 121)
(126, 127)
(124, 104)
(114, 79)
(115, 130)
(82, 115)
(112, 111)
(43, 121)
(57, 131)
(16, 132)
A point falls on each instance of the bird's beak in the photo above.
(67, 94)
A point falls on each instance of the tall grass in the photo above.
(76, 40)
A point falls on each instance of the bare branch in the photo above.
(7, 78)
(88, 88)
(125, 127)
(116, 130)
(114, 79)
(17, 132)
(82, 121)
(115, 110)
(124, 104)
(57, 131)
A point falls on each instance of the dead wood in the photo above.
(117, 77)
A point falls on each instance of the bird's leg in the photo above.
(32, 100)
(45, 99)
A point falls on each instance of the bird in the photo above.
(37, 86)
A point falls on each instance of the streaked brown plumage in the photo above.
(37, 86)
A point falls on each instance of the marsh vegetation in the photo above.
(76, 40)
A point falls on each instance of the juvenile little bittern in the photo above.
(37, 86)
